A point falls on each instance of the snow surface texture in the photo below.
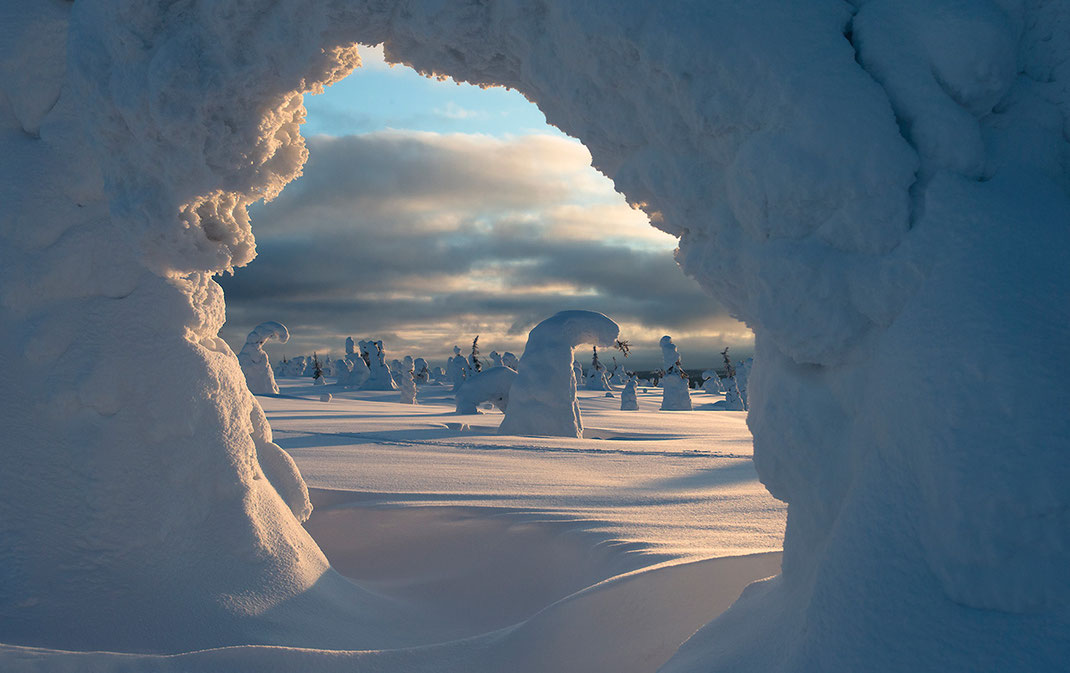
(874, 187)
(254, 361)
(676, 394)
(543, 397)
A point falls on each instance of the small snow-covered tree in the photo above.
(676, 393)
(596, 375)
(317, 371)
(733, 400)
(406, 382)
(457, 368)
(477, 366)
(629, 401)
(422, 373)
(511, 361)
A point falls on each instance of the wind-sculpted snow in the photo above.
(254, 361)
(542, 400)
(879, 189)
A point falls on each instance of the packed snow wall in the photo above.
(879, 189)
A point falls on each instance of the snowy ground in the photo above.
(495, 553)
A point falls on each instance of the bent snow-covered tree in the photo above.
(254, 361)
(542, 400)
(871, 186)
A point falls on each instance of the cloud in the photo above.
(427, 239)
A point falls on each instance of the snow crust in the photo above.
(543, 397)
(879, 189)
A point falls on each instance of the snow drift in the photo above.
(879, 189)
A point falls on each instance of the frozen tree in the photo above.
(318, 377)
(357, 371)
(495, 359)
(422, 372)
(511, 361)
(733, 400)
(711, 381)
(379, 377)
(577, 370)
(350, 346)
(596, 375)
(474, 362)
(628, 399)
(491, 385)
(254, 361)
(742, 376)
(340, 370)
(542, 400)
(457, 368)
(406, 381)
(676, 393)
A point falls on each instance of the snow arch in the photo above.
(842, 176)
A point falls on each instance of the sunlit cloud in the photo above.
(425, 240)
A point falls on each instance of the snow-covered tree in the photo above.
(457, 368)
(317, 371)
(254, 361)
(511, 361)
(676, 393)
(495, 359)
(733, 400)
(422, 373)
(542, 400)
(379, 377)
(596, 374)
(628, 399)
(491, 385)
(406, 382)
(476, 365)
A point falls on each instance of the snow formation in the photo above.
(254, 361)
(379, 377)
(874, 187)
(543, 397)
(457, 368)
(509, 360)
(490, 385)
(407, 381)
(628, 399)
(676, 394)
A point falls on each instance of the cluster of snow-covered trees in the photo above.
(476, 382)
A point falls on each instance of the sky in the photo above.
(430, 212)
